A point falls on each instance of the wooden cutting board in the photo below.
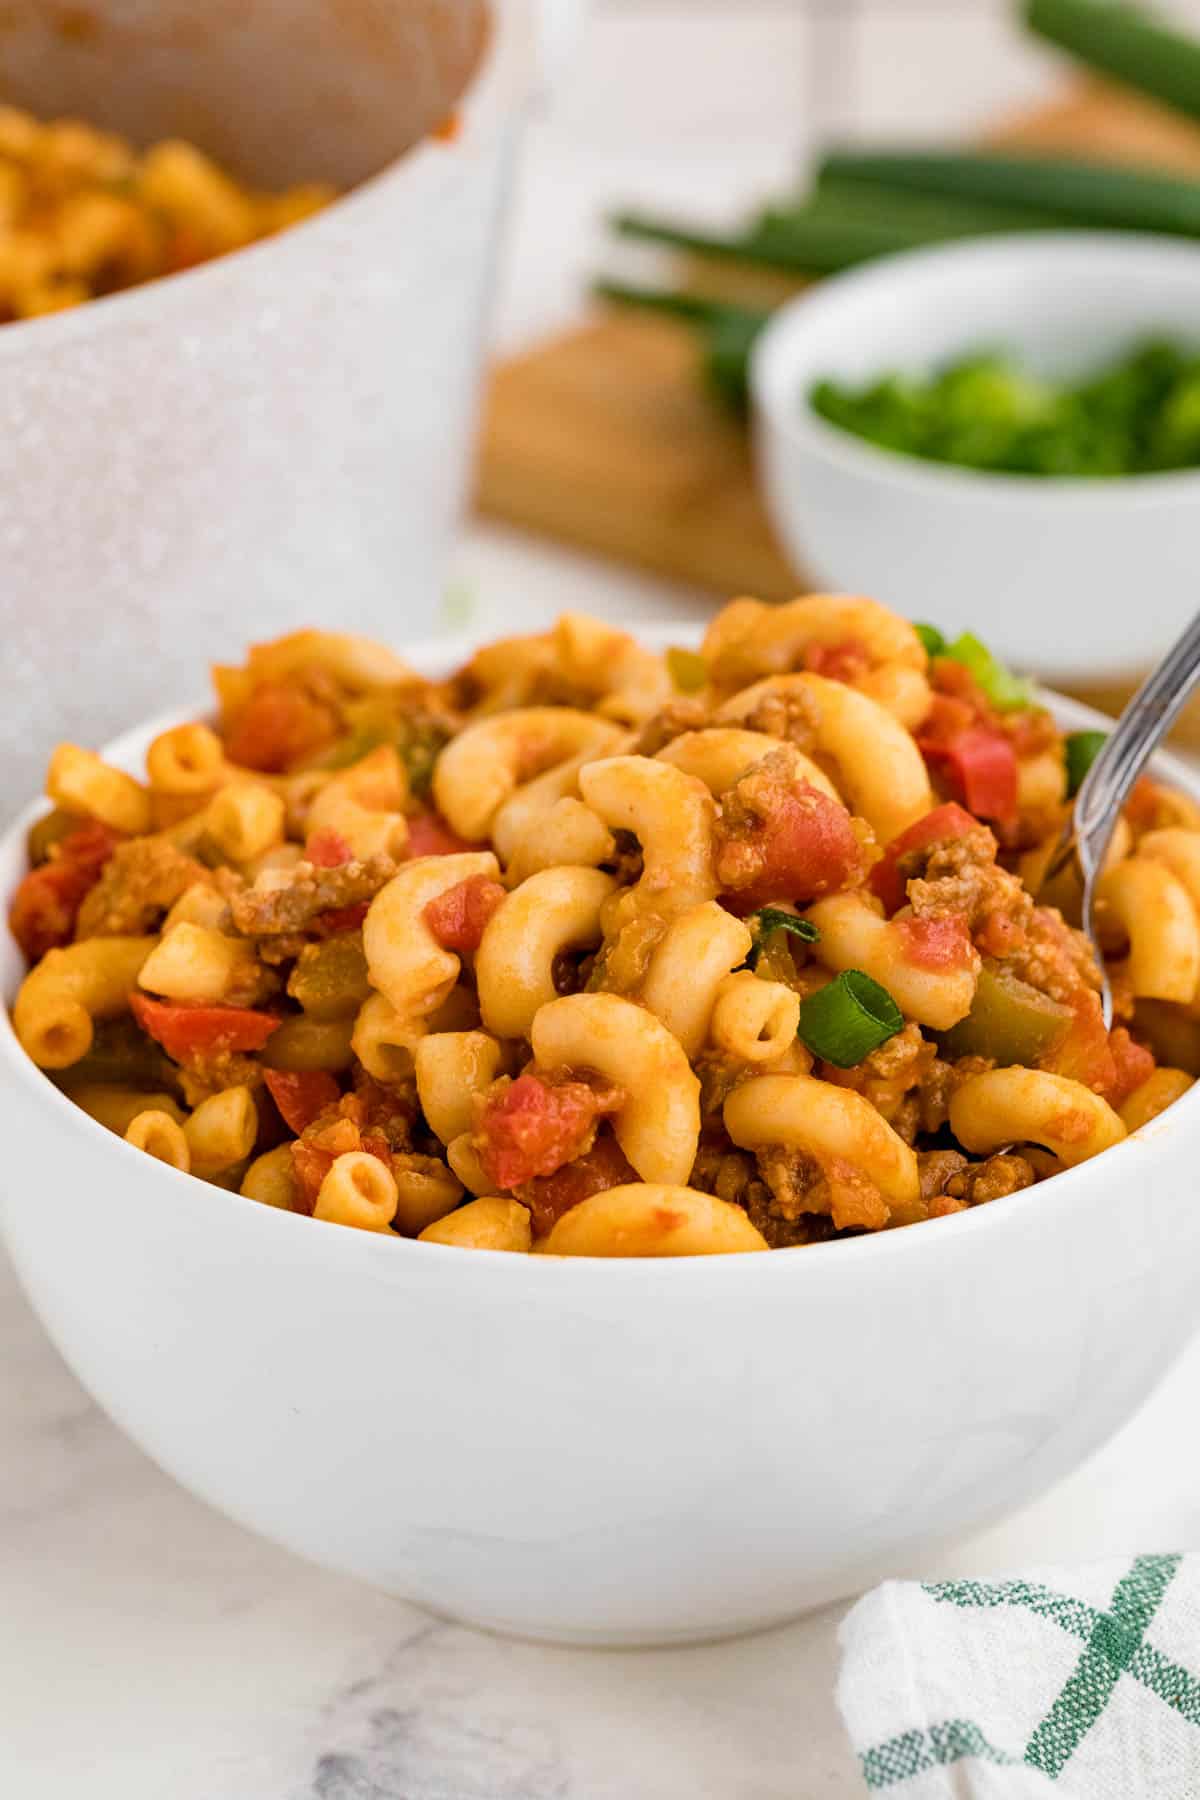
(604, 438)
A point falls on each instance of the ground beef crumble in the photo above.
(799, 1184)
(939, 1083)
(891, 1078)
(961, 875)
(1054, 957)
(936, 1168)
(140, 882)
(790, 716)
(202, 1076)
(991, 1180)
(676, 717)
(733, 1175)
(307, 891)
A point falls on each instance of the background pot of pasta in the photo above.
(592, 1451)
(282, 432)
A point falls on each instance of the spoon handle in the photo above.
(1138, 732)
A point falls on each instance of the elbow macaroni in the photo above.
(406, 963)
(59, 1001)
(658, 1124)
(364, 805)
(198, 965)
(876, 766)
(718, 755)
(855, 937)
(452, 1067)
(687, 968)
(451, 960)
(1154, 911)
(749, 640)
(671, 815)
(1030, 1106)
(485, 765)
(551, 912)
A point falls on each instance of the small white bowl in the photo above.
(598, 1452)
(1068, 577)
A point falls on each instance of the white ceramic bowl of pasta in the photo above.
(1071, 578)
(603, 1452)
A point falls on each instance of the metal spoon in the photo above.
(1106, 787)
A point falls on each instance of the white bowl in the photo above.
(589, 1451)
(1072, 578)
(281, 433)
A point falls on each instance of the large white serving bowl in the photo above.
(588, 1451)
(1079, 578)
(282, 432)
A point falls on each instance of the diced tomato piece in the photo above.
(187, 1031)
(847, 661)
(458, 917)
(279, 725)
(1084, 1053)
(310, 1166)
(44, 907)
(336, 919)
(90, 847)
(548, 1197)
(327, 849)
(429, 835)
(888, 878)
(301, 1094)
(981, 766)
(1133, 1063)
(941, 943)
(46, 904)
(533, 1128)
(805, 846)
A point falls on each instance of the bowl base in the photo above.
(616, 1638)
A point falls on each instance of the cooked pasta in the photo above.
(545, 956)
(84, 213)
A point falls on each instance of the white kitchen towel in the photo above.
(1077, 1682)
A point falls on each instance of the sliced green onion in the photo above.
(846, 1020)
(1129, 43)
(687, 669)
(931, 637)
(1082, 747)
(1006, 691)
(773, 918)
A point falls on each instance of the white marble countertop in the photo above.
(158, 1652)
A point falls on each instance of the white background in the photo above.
(156, 1652)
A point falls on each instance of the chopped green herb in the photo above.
(931, 637)
(773, 918)
(1007, 692)
(1137, 415)
(1082, 748)
(420, 739)
(687, 669)
(844, 1021)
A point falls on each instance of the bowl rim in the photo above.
(365, 1249)
(434, 160)
(790, 416)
